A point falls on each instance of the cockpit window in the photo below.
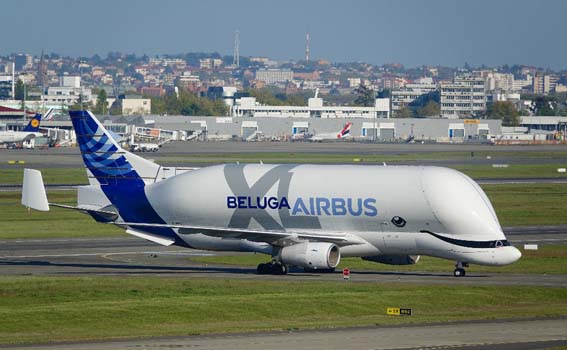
(398, 221)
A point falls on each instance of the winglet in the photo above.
(33, 191)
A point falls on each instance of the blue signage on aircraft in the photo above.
(312, 206)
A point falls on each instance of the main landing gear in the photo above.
(460, 269)
(273, 268)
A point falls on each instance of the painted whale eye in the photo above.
(398, 221)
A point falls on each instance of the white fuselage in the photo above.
(17, 136)
(400, 210)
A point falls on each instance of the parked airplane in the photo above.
(30, 131)
(301, 215)
(342, 134)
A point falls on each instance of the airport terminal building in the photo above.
(284, 129)
(363, 129)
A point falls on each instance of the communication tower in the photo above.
(236, 52)
(307, 49)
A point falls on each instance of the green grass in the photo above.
(17, 222)
(512, 171)
(515, 204)
(78, 175)
(48, 309)
(374, 157)
(50, 176)
(529, 204)
(546, 260)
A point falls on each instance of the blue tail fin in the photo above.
(106, 161)
(122, 175)
(33, 125)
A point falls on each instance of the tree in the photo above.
(101, 106)
(187, 104)
(504, 110)
(19, 90)
(365, 96)
(545, 106)
(405, 112)
(432, 108)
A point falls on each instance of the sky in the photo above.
(411, 32)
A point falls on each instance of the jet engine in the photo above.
(312, 255)
(393, 259)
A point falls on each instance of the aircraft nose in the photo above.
(509, 255)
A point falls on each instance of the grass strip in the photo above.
(41, 309)
(17, 222)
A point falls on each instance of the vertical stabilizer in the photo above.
(33, 125)
(106, 161)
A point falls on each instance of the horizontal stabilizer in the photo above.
(33, 191)
(106, 215)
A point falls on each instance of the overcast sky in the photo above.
(411, 32)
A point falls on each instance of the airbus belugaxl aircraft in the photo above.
(301, 215)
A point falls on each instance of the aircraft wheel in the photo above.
(310, 270)
(279, 269)
(459, 272)
(263, 269)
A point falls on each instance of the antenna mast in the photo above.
(307, 49)
(236, 52)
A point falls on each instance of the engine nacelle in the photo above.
(393, 259)
(312, 255)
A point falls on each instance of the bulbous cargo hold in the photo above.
(396, 210)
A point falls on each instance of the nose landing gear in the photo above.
(459, 269)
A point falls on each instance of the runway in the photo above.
(504, 335)
(130, 256)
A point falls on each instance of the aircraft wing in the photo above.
(273, 237)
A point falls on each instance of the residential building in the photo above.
(6, 87)
(188, 81)
(273, 76)
(403, 97)
(463, 98)
(210, 63)
(68, 93)
(498, 82)
(167, 62)
(523, 84)
(543, 84)
(154, 91)
(23, 61)
(130, 105)
(354, 82)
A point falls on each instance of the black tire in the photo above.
(279, 269)
(263, 269)
(459, 273)
(310, 270)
